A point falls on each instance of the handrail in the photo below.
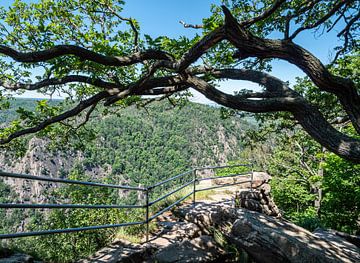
(170, 179)
(223, 166)
(68, 230)
(9, 205)
(146, 190)
(222, 185)
(223, 176)
(170, 193)
(169, 207)
(66, 181)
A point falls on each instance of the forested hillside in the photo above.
(138, 146)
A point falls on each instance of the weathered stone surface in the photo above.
(255, 195)
(171, 232)
(265, 188)
(260, 178)
(347, 247)
(232, 180)
(201, 249)
(273, 240)
(258, 200)
(268, 239)
(17, 258)
(121, 251)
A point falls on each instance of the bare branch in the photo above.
(58, 118)
(87, 116)
(349, 24)
(129, 20)
(110, 86)
(252, 46)
(239, 103)
(307, 115)
(165, 90)
(329, 14)
(268, 12)
(190, 25)
(151, 100)
(84, 54)
(201, 47)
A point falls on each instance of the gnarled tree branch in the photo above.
(307, 115)
(252, 46)
(84, 54)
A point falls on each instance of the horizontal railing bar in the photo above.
(223, 185)
(222, 166)
(225, 176)
(67, 230)
(170, 206)
(170, 193)
(59, 180)
(170, 179)
(8, 205)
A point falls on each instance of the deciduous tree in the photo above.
(81, 48)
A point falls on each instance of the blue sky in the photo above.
(161, 17)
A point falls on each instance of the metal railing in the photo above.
(146, 190)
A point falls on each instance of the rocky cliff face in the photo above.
(40, 161)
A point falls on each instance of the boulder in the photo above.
(269, 239)
(260, 178)
(17, 258)
(258, 200)
(334, 237)
(201, 249)
(121, 251)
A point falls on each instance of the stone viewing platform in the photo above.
(248, 221)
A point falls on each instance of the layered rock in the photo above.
(258, 200)
(201, 249)
(266, 238)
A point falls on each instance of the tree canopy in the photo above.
(89, 51)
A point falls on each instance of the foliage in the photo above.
(341, 201)
(9, 220)
(93, 54)
(243, 168)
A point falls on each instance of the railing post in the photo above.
(147, 213)
(252, 177)
(194, 188)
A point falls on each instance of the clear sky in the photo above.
(161, 17)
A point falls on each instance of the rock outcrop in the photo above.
(8, 256)
(200, 249)
(122, 251)
(182, 248)
(266, 238)
(258, 200)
